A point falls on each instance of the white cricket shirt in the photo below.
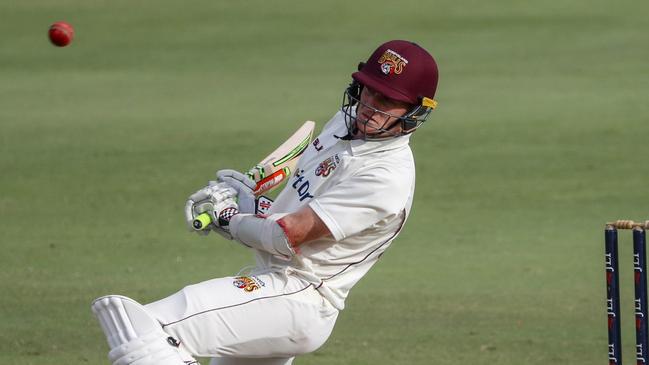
(362, 191)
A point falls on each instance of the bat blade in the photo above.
(270, 172)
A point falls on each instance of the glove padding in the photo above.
(214, 199)
(244, 187)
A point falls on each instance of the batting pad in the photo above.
(134, 336)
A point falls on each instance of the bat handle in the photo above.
(201, 221)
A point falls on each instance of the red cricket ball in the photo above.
(61, 34)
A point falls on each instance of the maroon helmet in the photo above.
(400, 70)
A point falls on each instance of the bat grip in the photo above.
(201, 221)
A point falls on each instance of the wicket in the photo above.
(613, 290)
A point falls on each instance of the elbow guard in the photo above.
(261, 233)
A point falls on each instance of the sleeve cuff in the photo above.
(328, 220)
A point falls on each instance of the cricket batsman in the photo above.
(347, 200)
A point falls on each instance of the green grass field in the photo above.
(541, 136)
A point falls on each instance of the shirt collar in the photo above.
(361, 147)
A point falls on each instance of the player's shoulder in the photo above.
(400, 163)
(396, 169)
(396, 156)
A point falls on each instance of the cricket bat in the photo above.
(270, 172)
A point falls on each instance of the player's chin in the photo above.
(364, 131)
(360, 130)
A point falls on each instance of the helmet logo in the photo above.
(392, 62)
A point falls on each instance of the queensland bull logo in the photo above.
(392, 62)
(248, 283)
(327, 166)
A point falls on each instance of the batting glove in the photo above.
(217, 200)
(243, 185)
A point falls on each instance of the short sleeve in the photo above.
(360, 201)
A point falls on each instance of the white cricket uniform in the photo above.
(362, 191)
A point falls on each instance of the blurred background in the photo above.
(540, 138)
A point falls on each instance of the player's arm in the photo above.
(303, 226)
(277, 234)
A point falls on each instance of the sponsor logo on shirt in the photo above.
(248, 283)
(316, 144)
(327, 166)
(301, 185)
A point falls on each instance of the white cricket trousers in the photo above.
(262, 319)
